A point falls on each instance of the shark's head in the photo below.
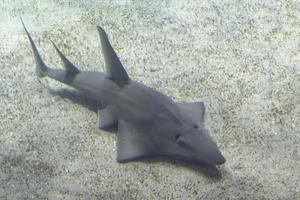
(188, 142)
(195, 145)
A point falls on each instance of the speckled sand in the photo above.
(240, 57)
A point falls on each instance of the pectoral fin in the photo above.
(195, 109)
(133, 143)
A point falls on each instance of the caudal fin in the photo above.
(41, 67)
(65, 76)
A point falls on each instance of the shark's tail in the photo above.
(43, 70)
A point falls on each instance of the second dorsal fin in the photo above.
(71, 69)
(113, 65)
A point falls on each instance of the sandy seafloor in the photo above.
(239, 57)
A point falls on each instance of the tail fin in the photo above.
(42, 70)
(41, 67)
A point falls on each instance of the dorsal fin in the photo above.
(113, 65)
(71, 69)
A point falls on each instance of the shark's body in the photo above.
(149, 123)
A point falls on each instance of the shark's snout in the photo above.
(218, 158)
(209, 153)
(212, 157)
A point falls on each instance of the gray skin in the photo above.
(149, 123)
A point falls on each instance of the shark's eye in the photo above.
(179, 140)
(181, 143)
(195, 126)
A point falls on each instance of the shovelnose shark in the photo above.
(149, 123)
